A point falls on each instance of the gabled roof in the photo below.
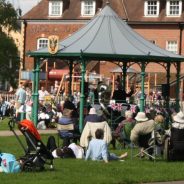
(108, 37)
(131, 10)
(71, 10)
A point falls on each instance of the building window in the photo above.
(42, 43)
(151, 8)
(153, 41)
(88, 8)
(172, 46)
(55, 8)
(174, 8)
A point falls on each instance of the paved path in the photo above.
(10, 133)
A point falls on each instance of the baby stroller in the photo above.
(174, 145)
(36, 153)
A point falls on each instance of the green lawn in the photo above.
(4, 124)
(88, 172)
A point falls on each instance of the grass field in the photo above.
(4, 124)
(69, 171)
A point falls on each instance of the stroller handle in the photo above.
(11, 123)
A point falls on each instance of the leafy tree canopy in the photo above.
(9, 60)
(8, 15)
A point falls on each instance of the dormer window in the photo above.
(151, 8)
(88, 7)
(174, 8)
(55, 8)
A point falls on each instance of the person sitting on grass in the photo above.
(71, 151)
(98, 149)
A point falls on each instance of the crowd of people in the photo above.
(134, 127)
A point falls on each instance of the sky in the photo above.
(24, 5)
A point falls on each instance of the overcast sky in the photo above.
(24, 5)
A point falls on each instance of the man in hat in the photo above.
(176, 141)
(93, 116)
(143, 127)
(142, 131)
(178, 120)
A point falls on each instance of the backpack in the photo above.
(9, 164)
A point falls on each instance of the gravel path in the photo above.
(9, 133)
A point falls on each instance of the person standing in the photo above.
(120, 94)
(20, 97)
(42, 93)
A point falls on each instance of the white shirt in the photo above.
(78, 150)
(43, 116)
(42, 94)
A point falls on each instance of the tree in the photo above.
(9, 60)
(8, 16)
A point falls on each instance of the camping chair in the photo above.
(146, 149)
(151, 144)
(67, 133)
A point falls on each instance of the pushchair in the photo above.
(36, 153)
(174, 145)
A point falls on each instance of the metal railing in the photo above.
(7, 96)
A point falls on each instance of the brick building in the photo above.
(160, 21)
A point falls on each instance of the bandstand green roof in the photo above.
(108, 37)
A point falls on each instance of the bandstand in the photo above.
(107, 37)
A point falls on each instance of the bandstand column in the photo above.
(168, 82)
(142, 98)
(70, 80)
(178, 66)
(124, 75)
(36, 74)
(81, 115)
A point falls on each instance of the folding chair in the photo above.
(65, 132)
(150, 143)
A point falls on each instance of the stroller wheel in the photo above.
(27, 166)
(32, 168)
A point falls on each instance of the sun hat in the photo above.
(141, 116)
(179, 117)
(92, 111)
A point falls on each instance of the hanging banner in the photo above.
(53, 44)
